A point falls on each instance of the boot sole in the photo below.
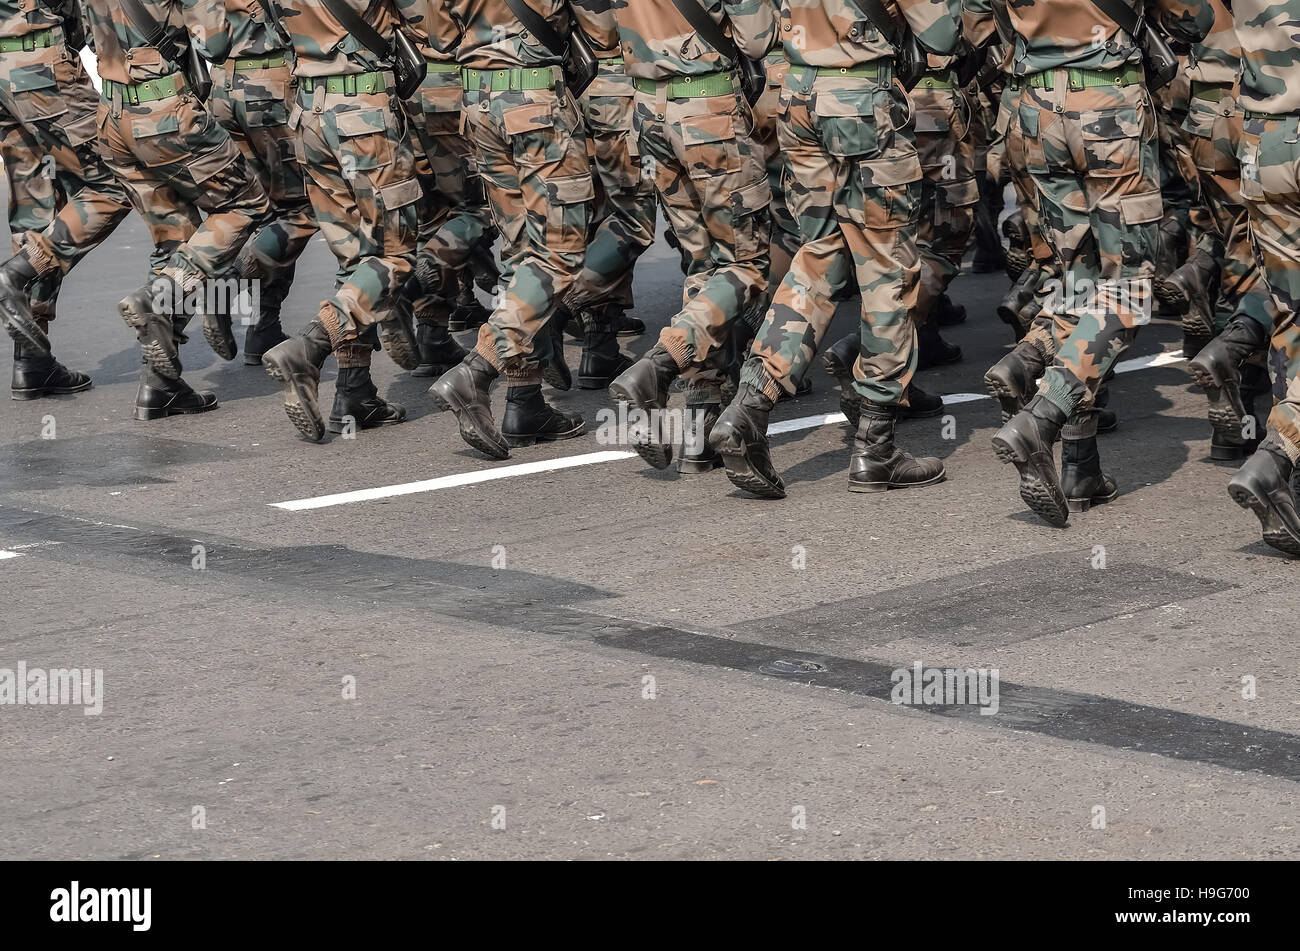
(518, 441)
(1171, 295)
(1272, 530)
(870, 487)
(1044, 497)
(153, 354)
(146, 414)
(400, 348)
(656, 455)
(306, 419)
(336, 425)
(468, 431)
(219, 339)
(26, 332)
(40, 391)
(1082, 505)
(748, 479)
(431, 369)
(252, 359)
(1006, 395)
(696, 466)
(556, 378)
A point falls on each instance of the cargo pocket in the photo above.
(1252, 188)
(1031, 139)
(156, 140)
(397, 206)
(709, 145)
(568, 211)
(960, 194)
(1110, 142)
(753, 229)
(363, 140)
(34, 92)
(1141, 209)
(530, 129)
(890, 190)
(265, 104)
(848, 126)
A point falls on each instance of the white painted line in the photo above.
(1164, 358)
(447, 482)
(9, 554)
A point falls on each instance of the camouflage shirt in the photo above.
(838, 32)
(1217, 58)
(322, 47)
(122, 54)
(1054, 34)
(977, 23)
(1269, 34)
(659, 43)
(596, 17)
(430, 25)
(20, 17)
(495, 39)
(247, 31)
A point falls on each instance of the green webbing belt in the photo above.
(539, 77)
(352, 84)
(30, 41)
(149, 91)
(691, 87)
(1084, 78)
(269, 61)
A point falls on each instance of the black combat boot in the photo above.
(530, 419)
(219, 330)
(295, 365)
(1013, 380)
(439, 351)
(262, 336)
(1019, 246)
(464, 391)
(947, 313)
(358, 405)
(602, 360)
(1171, 252)
(740, 437)
(1217, 369)
(839, 360)
(468, 313)
(16, 276)
(159, 396)
(555, 368)
(1191, 290)
(37, 374)
(697, 454)
(877, 464)
(1021, 295)
(625, 326)
(989, 256)
(1082, 480)
(155, 328)
(1026, 441)
(920, 404)
(931, 349)
(644, 386)
(397, 334)
(1266, 485)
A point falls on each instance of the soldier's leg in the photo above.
(1270, 185)
(1093, 157)
(532, 155)
(361, 182)
(710, 175)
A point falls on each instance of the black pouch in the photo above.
(910, 58)
(1159, 61)
(409, 65)
(751, 73)
(577, 61)
(753, 79)
(196, 74)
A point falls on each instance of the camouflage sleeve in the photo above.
(414, 12)
(936, 23)
(977, 23)
(753, 25)
(1187, 20)
(209, 28)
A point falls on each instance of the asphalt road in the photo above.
(460, 670)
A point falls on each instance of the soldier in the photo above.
(696, 130)
(361, 182)
(454, 219)
(1221, 281)
(252, 90)
(174, 160)
(854, 190)
(532, 153)
(63, 200)
(1088, 127)
(1270, 185)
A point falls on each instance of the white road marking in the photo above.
(1162, 359)
(9, 554)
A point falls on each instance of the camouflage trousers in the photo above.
(785, 230)
(1091, 153)
(949, 192)
(532, 155)
(175, 160)
(624, 213)
(1179, 181)
(1270, 186)
(1214, 126)
(63, 200)
(454, 215)
(854, 188)
(361, 182)
(710, 175)
(253, 106)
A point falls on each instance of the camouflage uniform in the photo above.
(785, 230)
(1269, 151)
(174, 160)
(63, 200)
(252, 90)
(352, 144)
(1089, 134)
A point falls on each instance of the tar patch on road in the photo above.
(538, 604)
(992, 607)
(102, 460)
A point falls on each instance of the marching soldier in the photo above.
(361, 182)
(63, 200)
(854, 190)
(174, 161)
